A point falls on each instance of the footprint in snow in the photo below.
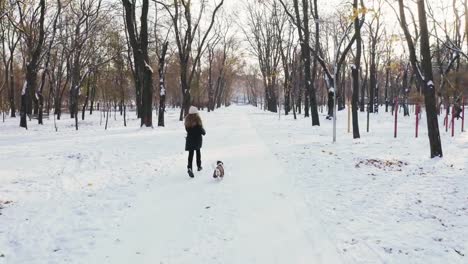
(388, 250)
(278, 194)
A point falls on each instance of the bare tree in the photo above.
(186, 28)
(86, 20)
(223, 61)
(161, 37)
(339, 55)
(263, 38)
(301, 21)
(212, 47)
(32, 30)
(287, 57)
(10, 39)
(356, 68)
(142, 67)
(447, 53)
(423, 73)
(375, 29)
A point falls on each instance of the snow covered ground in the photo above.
(289, 195)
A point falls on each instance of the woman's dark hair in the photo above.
(192, 120)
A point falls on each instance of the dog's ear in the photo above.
(219, 162)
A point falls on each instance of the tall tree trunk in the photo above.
(373, 77)
(355, 74)
(330, 98)
(147, 96)
(426, 76)
(210, 79)
(342, 94)
(35, 49)
(143, 71)
(362, 103)
(85, 104)
(10, 80)
(93, 95)
(50, 95)
(313, 96)
(387, 82)
(429, 88)
(41, 99)
(162, 87)
(75, 84)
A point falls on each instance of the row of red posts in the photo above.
(446, 120)
(418, 111)
(463, 115)
(452, 122)
(396, 117)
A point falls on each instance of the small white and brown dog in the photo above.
(219, 170)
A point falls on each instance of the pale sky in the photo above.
(236, 8)
(330, 7)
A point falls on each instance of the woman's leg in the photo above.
(199, 159)
(190, 159)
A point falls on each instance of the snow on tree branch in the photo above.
(148, 67)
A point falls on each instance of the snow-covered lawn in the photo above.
(289, 196)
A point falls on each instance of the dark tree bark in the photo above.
(143, 70)
(162, 86)
(355, 74)
(34, 47)
(313, 95)
(210, 77)
(301, 20)
(362, 101)
(387, 83)
(341, 95)
(285, 58)
(92, 98)
(86, 100)
(425, 77)
(373, 75)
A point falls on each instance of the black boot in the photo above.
(190, 173)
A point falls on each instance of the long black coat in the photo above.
(194, 138)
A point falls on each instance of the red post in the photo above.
(463, 115)
(418, 109)
(396, 117)
(446, 122)
(453, 121)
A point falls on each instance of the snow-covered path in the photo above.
(289, 195)
(253, 216)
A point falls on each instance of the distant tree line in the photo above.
(66, 56)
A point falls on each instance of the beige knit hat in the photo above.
(193, 110)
